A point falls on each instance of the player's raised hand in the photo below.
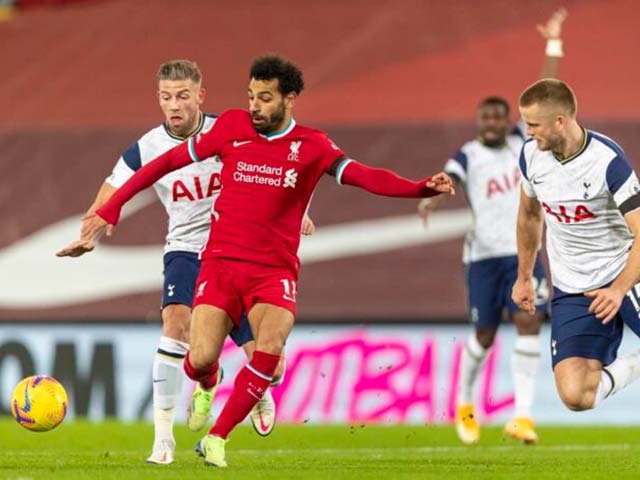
(553, 27)
(524, 295)
(442, 183)
(606, 303)
(308, 227)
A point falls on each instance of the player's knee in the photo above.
(272, 344)
(175, 322)
(575, 397)
(200, 357)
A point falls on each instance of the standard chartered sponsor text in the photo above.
(258, 174)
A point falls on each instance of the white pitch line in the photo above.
(450, 449)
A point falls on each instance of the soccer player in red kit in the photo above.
(271, 166)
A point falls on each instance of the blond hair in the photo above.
(550, 91)
(179, 70)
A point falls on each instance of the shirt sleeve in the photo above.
(128, 164)
(456, 166)
(623, 185)
(527, 187)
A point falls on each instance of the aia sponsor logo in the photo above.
(564, 214)
(193, 190)
(503, 184)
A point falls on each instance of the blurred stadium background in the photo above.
(394, 82)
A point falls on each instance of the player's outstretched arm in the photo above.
(606, 301)
(80, 247)
(552, 33)
(385, 182)
(109, 214)
(529, 234)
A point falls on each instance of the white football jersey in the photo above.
(490, 178)
(584, 198)
(188, 194)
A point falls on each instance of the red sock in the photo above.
(207, 377)
(249, 387)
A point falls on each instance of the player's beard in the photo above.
(555, 143)
(272, 122)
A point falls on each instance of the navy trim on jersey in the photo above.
(132, 157)
(523, 161)
(609, 143)
(630, 204)
(618, 172)
(461, 158)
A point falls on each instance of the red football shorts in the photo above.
(236, 286)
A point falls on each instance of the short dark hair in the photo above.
(552, 92)
(179, 70)
(495, 100)
(269, 67)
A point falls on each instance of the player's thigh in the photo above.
(484, 299)
(575, 332)
(272, 325)
(209, 328)
(180, 273)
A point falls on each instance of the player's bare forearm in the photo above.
(104, 194)
(550, 67)
(529, 234)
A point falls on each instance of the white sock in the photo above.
(167, 384)
(163, 423)
(604, 387)
(524, 368)
(618, 375)
(473, 354)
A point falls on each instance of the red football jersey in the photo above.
(267, 183)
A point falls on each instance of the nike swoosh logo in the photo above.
(538, 182)
(239, 144)
(160, 380)
(262, 425)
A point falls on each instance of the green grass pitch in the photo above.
(112, 450)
